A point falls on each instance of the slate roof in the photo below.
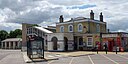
(43, 29)
(12, 39)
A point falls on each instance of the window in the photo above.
(62, 29)
(80, 27)
(28, 30)
(70, 28)
(89, 41)
(97, 27)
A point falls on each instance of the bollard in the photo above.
(97, 51)
(106, 51)
(116, 50)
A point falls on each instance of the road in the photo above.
(15, 57)
(11, 57)
(93, 59)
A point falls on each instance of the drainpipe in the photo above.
(88, 26)
(73, 32)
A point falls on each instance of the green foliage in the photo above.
(3, 34)
(19, 36)
(16, 33)
(13, 34)
(31, 25)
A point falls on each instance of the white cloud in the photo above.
(47, 12)
(10, 26)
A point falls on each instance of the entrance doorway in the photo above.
(80, 43)
(75, 43)
(66, 43)
(110, 45)
(54, 40)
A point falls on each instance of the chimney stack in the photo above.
(61, 19)
(108, 30)
(91, 15)
(101, 17)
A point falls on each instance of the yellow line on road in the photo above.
(109, 59)
(90, 59)
(71, 61)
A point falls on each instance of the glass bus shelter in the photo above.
(35, 47)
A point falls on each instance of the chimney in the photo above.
(101, 17)
(91, 15)
(71, 19)
(108, 30)
(61, 19)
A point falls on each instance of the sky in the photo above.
(46, 12)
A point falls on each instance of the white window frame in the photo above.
(69, 28)
(61, 28)
(91, 42)
(97, 27)
(79, 27)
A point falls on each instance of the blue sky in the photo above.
(81, 7)
(47, 12)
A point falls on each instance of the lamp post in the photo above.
(116, 48)
(0, 44)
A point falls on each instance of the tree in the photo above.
(3, 34)
(16, 33)
(12, 34)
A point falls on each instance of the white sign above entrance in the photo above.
(109, 35)
(124, 35)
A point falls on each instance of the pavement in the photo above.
(82, 53)
(47, 57)
(56, 55)
(26, 58)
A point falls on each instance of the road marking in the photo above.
(50, 62)
(71, 61)
(121, 56)
(109, 59)
(90, 59)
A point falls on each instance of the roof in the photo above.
(12, 39)
(43, 29)
(82, 19)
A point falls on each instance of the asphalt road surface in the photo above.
(15, 57)
(93, 59)
(11, 57)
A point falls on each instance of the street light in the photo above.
(0, 44)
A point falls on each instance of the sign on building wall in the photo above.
(109, 35)
(124, 35)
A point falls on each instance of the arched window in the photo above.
(80, 27)
(70, 28)
(61, 28)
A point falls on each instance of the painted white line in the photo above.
(109, 59)
(90, 59)
(71, 61)
(121, 56)
(50, 62)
